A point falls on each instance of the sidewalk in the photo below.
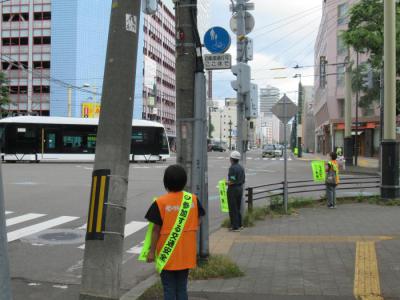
(351, 252)
(347, 253)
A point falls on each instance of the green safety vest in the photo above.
(173, 237)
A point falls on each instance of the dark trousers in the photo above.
(175, 284)
(235, 194)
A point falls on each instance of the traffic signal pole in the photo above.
(240, 9)
(102, 262)
(348, 139)
(390, 147)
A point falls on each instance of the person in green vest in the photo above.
(176, 218)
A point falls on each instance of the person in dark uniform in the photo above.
(236, 179)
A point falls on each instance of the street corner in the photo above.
(222, 240)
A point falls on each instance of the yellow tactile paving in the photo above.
(366, 274)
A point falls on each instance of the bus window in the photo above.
(163, 142)
(140, 137)
(91, 143)
(51, 141)
(72, 143)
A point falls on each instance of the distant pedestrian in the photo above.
(236, 179)
(175, 216)
(332, 179)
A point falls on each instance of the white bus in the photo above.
(31, 138)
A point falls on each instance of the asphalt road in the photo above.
(47, 208)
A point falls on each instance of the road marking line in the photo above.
(366, 274)
(136, 249)
(8, 212)
(130, 229)
(20, 233)
(23, 218)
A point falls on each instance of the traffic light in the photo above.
(251, 103)
(242, 82)
(149, 7)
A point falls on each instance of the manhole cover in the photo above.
(57, 237)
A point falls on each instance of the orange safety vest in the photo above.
(335, 166)
(185, 252)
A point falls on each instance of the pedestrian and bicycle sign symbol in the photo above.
(217, 40)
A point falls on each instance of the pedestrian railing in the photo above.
(304, 187)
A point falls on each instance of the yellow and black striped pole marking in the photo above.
(98, 198)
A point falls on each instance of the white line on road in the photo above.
(23, 218)
(130, 229)
(20, 233)
(136, 249)
(8, 212)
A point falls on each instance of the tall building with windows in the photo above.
(53, 53)
(25, 54)
(329, 90)
(268, 97)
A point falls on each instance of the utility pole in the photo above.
(101, 274)
(5, 290)
(356, 139)
(348, 139)
(230, 134)
(191, 109)
(390, 147)
(240, 10)
(299, 119)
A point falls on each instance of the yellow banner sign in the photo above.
(318, 169)
(223, 196)
(90, 110)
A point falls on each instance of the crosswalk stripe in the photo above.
(20, 233)
(8, 212)
(23, 218)
(130, 229)
(136, 249)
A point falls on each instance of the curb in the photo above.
(139, 289)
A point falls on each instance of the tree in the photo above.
(365, 35)
(4, 94)
(211, 130)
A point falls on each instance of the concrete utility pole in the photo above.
(240, 58)
(185, 76)
(101, 273)
(390, 147)
(5, 290)
(348, 139)
(191, 109)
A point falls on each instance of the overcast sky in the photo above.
(284, 36)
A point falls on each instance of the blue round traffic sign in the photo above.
(217, 40)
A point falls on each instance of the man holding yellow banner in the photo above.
(236, 179)
(173, 242)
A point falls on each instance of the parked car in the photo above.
(215, 147)
(269, 150)
(279, 150)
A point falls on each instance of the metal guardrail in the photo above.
(307, 186)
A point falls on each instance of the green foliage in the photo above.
(216, 266)
(211, 130)
(4, 93)
(365, 35)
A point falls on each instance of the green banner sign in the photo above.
(318, 169)
(223, 197)
(296, 151)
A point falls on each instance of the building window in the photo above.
(340, 69)
(40, 16)
(41, 89)
(41, 65)
(23, 41)
(343, 10)
(42, 40)
(14, 90)
(341, 46)
(16, 17)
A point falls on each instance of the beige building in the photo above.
(330, 54)
(224, 121)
